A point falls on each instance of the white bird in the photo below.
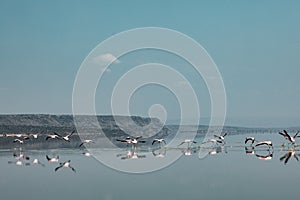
(19, 135)
(132, 141)
(268, 143)
(67, 137)
(20, 141)
(65, 164)
(291, 139)
(53, 159)
(86, 142)
(188, 141)
(159, 140)
(136, 140)
(35, 136)
(252, 139)
(212, 141)
(53, 136)
(128, 140)
(221, 137)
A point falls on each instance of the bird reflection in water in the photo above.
(268, 156)
(22, 160)
(159, 153)
(288, 155)
(251, 151)
(87, 154)
(21, 155)
(189, 151)
(217, 150)
(267, 143)
(37, 162)
(19, 163)
(131, 154)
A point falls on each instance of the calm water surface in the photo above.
(230, 174)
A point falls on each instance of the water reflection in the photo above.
(37, 162)
(267, 143)
(217, 150)
(267, 156)
(262, 154)
(159, 153)
(19, 163)
(131, 154)
(23, 158)
(55, 169)
(87, 154)
(250, 150)
(189, 151)
(65, 164)
(20, 155)
(137, 148)
(288, 155)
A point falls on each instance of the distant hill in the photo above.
(62, 124)
(36, 121)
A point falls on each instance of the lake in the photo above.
(226, 173)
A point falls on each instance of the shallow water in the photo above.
(230, 174)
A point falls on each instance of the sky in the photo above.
(255, 45)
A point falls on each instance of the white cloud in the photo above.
(106, 58)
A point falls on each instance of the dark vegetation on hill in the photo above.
(63, 124)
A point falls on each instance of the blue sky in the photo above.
(255, 45)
